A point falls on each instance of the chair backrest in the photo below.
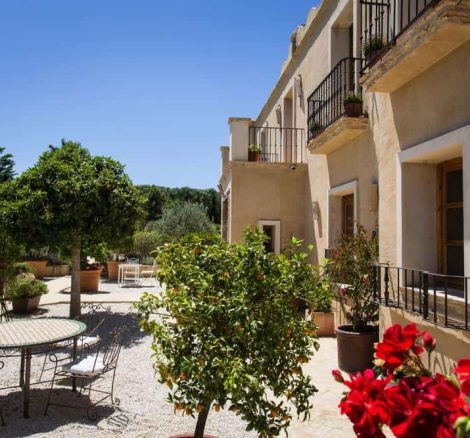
(111, 354)
(132, 261)
(93, 316)
(4, 313)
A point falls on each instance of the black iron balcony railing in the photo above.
(382, 22)
(279, 145)
(438, 298)
(326, 103)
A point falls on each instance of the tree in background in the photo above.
(146, 242)
(158, 198)
(72, 199)
(181, 219)
(6, 166)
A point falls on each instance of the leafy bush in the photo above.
(352, 97)
(322, 297)
(18, 268)
(181, 219)
(353, 266)
(230, 334)
(372, 45)
(25, 288)
(146, 241)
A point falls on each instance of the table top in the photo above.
(39, 331)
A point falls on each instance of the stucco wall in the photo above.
(268, 192)
(452, 344)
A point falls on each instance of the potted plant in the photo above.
(25, 294)
(38, 261)
(352, 269)
(254, 152)
(231, 337)
(90, 272)
(315, 128)
(321, 306)
(56, 267)
(373, 48)
(353, 104)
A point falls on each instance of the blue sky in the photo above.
(148, 82)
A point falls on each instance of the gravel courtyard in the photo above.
(143, 411)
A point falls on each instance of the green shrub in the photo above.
(352, 98)
(25, 288)
(230, 334)
(146, 242)
(372, 45)
(322, 294)
(18, 268)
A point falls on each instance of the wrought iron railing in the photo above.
(279, 145)
(382, 22)
(326, 103)
(438, 298)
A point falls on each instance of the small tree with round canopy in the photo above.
(72, 199)
(226, 330)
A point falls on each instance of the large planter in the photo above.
(113, 270)
(90, 280)
(353, 109)
(325, 321)
(355, 350)
(38, 267)
(25, 305)
(57, 270)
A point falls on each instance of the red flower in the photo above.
(463, 372)
(429, 343)
(365, 404)
(338, 376)
(394, 349)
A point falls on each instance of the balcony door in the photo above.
(348, 215)
(451, 217)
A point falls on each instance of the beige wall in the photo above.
(268, 192)
(452, 344)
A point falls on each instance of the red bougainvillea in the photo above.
(404, 395)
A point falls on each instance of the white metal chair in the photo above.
(149, 273)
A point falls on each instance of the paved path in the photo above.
(109, 292)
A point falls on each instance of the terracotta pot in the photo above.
(38, 267)
(353, 109)
(113, 270)
(355, 350)
(253, 156)
(90, 280)
(25, 305)
(325, 322)
(57, 270)
(190, 435)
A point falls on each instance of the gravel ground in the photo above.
(143, 411)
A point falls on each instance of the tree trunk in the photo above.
(201, 423)
(75, 290)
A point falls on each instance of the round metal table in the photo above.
(27, 334)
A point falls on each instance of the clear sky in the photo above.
(148, 82)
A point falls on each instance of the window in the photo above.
(348, 215)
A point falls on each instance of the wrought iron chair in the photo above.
(93, 319)
(91, 368)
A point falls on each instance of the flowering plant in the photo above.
(403, 394)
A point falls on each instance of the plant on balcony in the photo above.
(254, 152)
(352, 271)
(314, 129)
(373, 47)
(229, 334)
(404, 395)
(353, 104)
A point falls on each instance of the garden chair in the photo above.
(149, 273)
(130, 271)
(92, 317)
(91, 368)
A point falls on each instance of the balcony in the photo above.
(332, 121)
(438, 298)
(277, 145)
(402, 38)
